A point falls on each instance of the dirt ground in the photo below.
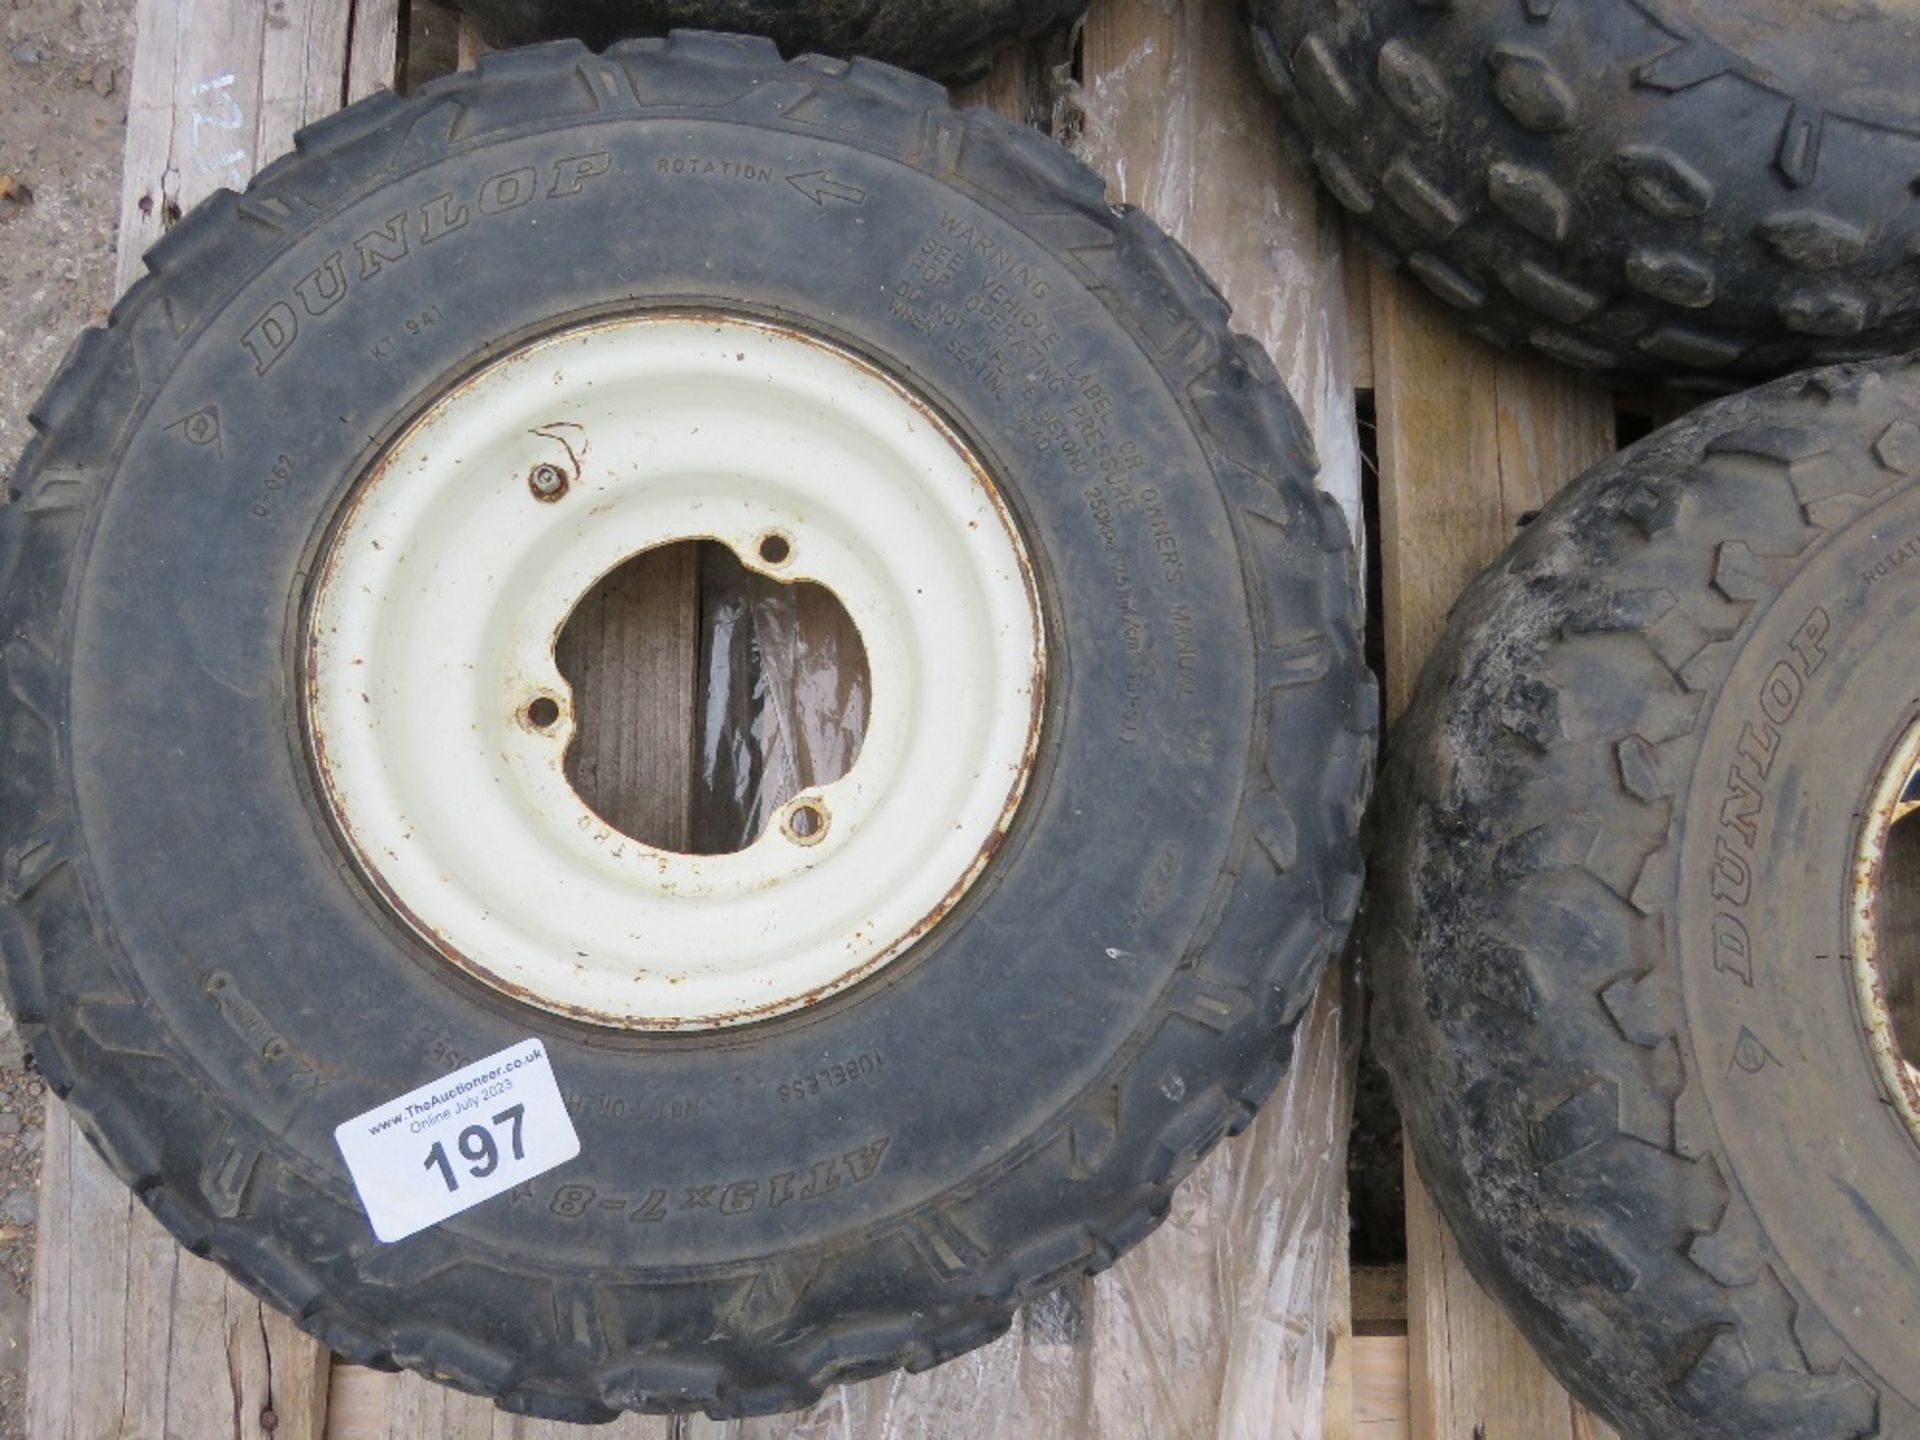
(63, 110)
(63, 80)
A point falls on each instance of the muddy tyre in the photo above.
(1644, 921)
(1682, 187)
(1094, 496)
(951, 39)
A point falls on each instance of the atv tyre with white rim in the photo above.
(284, 819)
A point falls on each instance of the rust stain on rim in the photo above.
(1890, 805)
(983, 854)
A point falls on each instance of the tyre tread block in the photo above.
(1554, 1134)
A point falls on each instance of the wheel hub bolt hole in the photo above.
(548, 482)
(806, 822)
(775, 548)
(543, 711)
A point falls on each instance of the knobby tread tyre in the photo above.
(951, 39)
(1696, 188)
(242, 1169)
(1632, 1129)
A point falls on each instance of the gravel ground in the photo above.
(63, 79)
(63, 110)
(23, 1099)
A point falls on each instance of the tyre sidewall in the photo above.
(1800, 729)
(187, 632)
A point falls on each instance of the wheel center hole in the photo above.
(1899, 932)
(708, 695)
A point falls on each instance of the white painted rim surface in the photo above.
(432, 628)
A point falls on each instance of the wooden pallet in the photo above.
(133, 1339)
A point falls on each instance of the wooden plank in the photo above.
(1339, 1421)
(1470, 442)
(1017, 86)
(1379, 1299)
(217, 87)
(373, 48)
(472, 47)
(372, 1405)
(1381, 1405)
(631, 653)
(133, 1337)
(1357, 276)
(356, 1403)
(1472, 1372)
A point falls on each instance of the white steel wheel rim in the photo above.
(1890, 803)
(432, 625)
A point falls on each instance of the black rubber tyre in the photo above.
(1684, 187)
(1649, 731)
(205, 976)
(951, 39)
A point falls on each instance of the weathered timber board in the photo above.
(1470, 441)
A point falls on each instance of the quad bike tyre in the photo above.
(1692, 188)
(953, 40)
(1643, 920)
(205, 941)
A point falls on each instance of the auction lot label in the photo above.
(458, 1140)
